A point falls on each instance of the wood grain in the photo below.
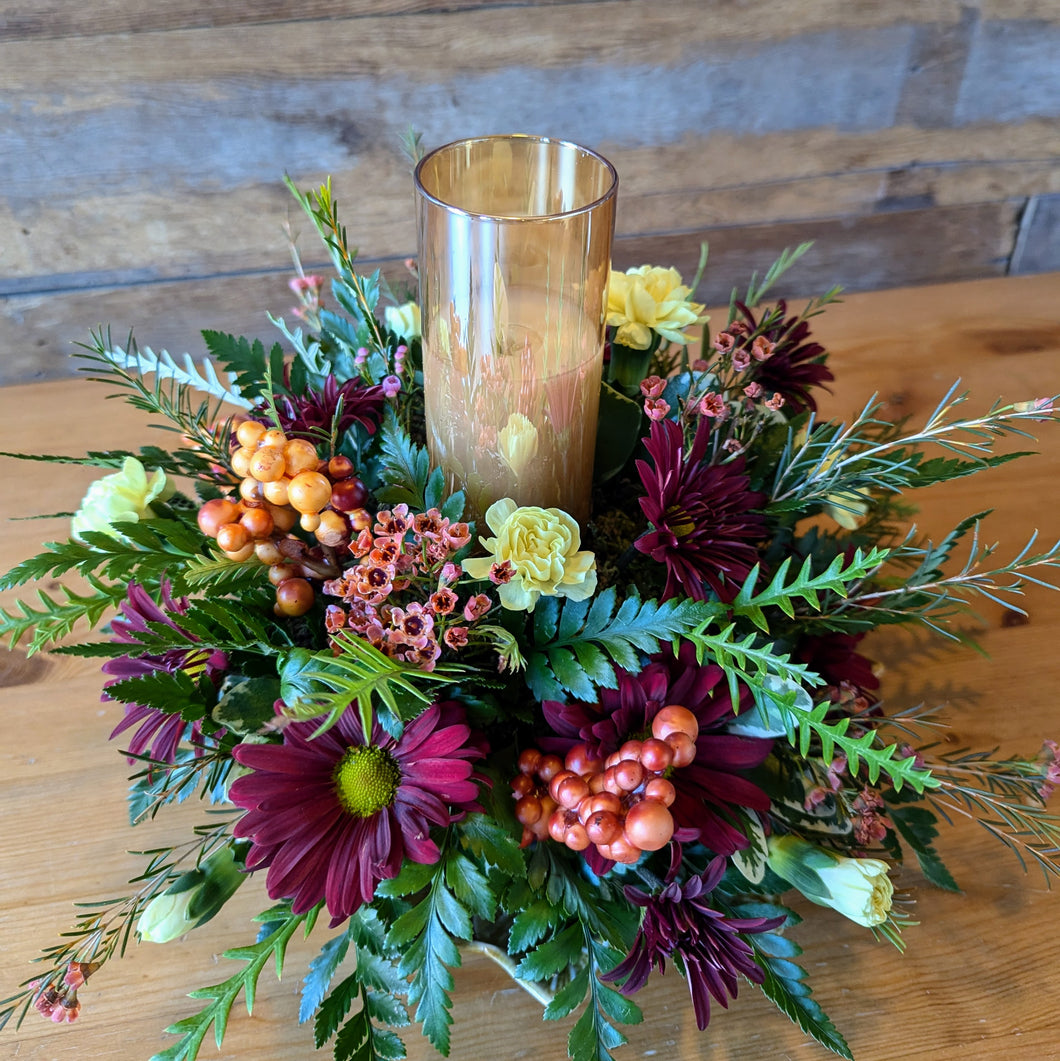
(874, 251)
(979, 978)
(145, 143)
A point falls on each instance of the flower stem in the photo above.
(495, 954)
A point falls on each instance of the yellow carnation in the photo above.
(124, 497)
(650, 299)
(543, 546)
(517, 442)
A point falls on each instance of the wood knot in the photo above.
(16, 668)
(1015, 340)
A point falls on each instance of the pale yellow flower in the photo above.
(403, 320)
(192, 899)
(124, 496)
(543, 546)
(517, 442)
(650, 299)
(858, 888)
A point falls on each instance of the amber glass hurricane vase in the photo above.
(515, 240)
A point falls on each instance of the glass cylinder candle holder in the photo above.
(515, 240)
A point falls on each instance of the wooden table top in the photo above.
(980, 977)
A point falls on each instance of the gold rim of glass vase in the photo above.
(427, 168)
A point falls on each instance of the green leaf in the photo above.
(354, 1040)
(359, 674)
(578, 654)
(568, 998)
(57, 618)
(246, 361)
(470, 886)
(784, 984)
(552, 956)
(192, 1030)
(535, 920)
(146, 550)
(174, 692)
(425, 936)
(332, 1010)
(618, 432)
(592, 1038)
(492, 844)
(405, 467)
(319, 975)
(917, 827)
(248, 705)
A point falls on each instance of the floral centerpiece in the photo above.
(592, 751)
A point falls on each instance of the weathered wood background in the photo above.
(142, 146)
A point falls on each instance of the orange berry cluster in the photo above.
(284, 483)
(619, 804)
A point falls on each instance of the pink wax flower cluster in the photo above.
(400, 594)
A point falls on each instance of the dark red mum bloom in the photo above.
(835, 658)
(310, 414)
(680, 920)
(330, 816)
(713, 795)
(796, 364)
(705, 524)
(159, 731)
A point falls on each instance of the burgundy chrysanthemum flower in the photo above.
(835, 658)
(713, 795)
(706, 527)
(680, 920)
(331, 816)
(159, 731)
(796, 364)
(310, 414)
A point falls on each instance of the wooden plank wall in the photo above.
(142, 146)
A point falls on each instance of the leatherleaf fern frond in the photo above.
(374, 982)
(577, 644)
(445, 897)
(144, 551)
(56, 618)
(273, 947)
(784, 983)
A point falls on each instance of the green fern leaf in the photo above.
(405, 466)
(578, 644)
(245, 361)
(784, 984)
(57, 618)
(192, 1030)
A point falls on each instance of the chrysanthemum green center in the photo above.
(366, 780)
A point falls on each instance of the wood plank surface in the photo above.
(979, 979)
(144, 144)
